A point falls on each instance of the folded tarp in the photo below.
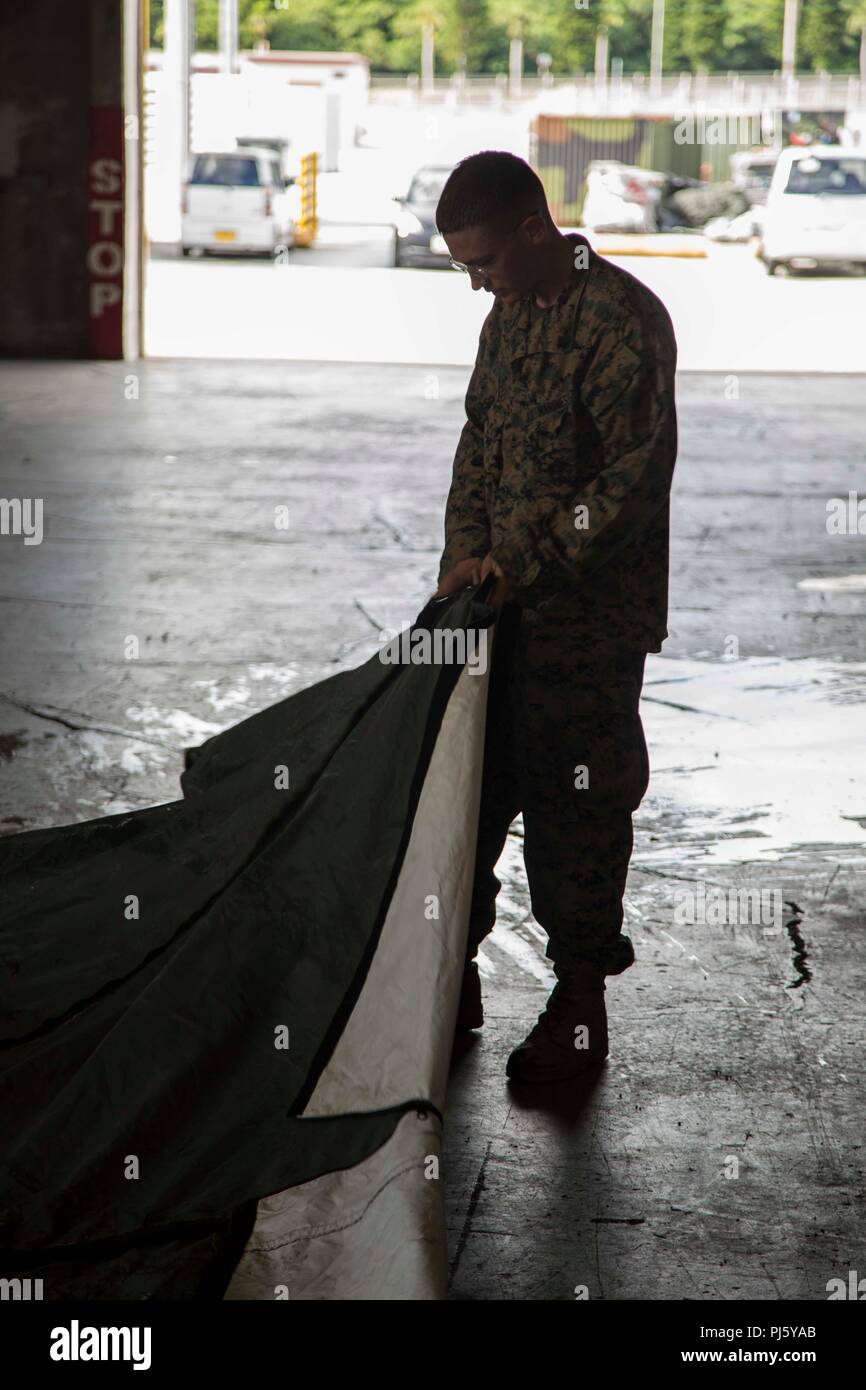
(226, 1021)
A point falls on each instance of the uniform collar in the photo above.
(547, 330)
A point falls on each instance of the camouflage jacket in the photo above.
(564, 465)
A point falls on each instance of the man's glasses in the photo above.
(471, 269)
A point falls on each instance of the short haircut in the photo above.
(493, 189)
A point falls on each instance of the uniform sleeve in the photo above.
(627, 391)
(467, 526)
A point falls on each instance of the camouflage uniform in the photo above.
(563, 472)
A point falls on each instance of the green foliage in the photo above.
(753, 35)
(412, 16)
(477, 42)
(367, 26)
(155, 19)
(309, 26)
(702, 28)
(824, 35)
(255, 19)
(717, 35)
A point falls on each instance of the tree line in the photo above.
(474, 36)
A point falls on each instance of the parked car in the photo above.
(740, 228)
(276, 145)
(752, 171)
(816, 209)
(236, 202)
(416, 240)
(624, 198)
(620, 197)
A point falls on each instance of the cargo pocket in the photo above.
(582, 733)
(541, 450)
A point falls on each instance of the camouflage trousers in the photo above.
(564, 745)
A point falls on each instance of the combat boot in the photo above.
(470, 1013)
(554, 1050)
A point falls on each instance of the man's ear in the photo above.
(535, 228)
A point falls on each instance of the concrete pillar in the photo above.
(68, 252)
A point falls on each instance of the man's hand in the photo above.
(500, 591)
(489, 566)
(473, 571)
(466, 572)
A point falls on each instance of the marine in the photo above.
(561, 491)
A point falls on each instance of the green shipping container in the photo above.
(562, 147)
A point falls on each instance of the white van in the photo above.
(816, 209)
(236, 201)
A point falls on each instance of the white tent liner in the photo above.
(377, 1230)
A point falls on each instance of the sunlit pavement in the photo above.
(729, 1040)
(343, 301)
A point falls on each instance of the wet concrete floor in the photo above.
(719, 1153)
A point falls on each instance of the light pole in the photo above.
(789, 38)
(177, 57)
(601, 52)
(428, 59)
(229, 34)
(657, 43)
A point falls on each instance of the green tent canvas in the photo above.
(227, 1021)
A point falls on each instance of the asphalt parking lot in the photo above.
(342, 301)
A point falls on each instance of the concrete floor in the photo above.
(160, 482)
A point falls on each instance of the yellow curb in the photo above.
(638, 245)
